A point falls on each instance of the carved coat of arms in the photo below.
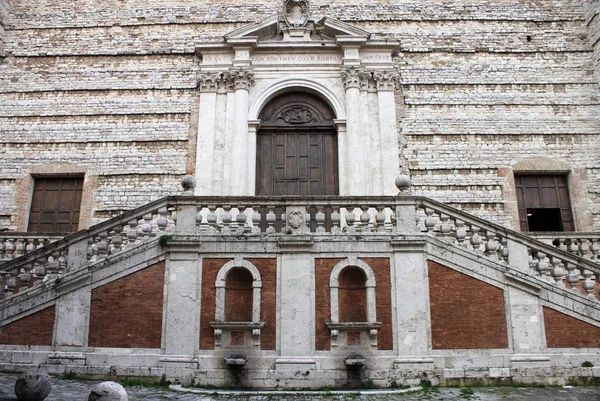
(295, 12)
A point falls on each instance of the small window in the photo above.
(55, 205)
(544, 203)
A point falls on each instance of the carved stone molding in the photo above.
(297, 115)
(387, 80)
(295, 12)
(240, 78)
(353, 77)
(209, 81)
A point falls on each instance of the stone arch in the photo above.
(369, 284)
(296, 84)
(220, 288)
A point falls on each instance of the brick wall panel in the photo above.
(127, 313)
(564, 331)
(34, 329)
(466, 313)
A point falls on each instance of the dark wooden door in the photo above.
(544, 203)
(297, 163)
(55, 205)
(297, 147)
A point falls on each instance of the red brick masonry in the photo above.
(466, 313)
(34, 329)
(127, 313)
(563, 331)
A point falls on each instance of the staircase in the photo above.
(544, 286)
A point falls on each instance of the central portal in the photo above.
(297, 147)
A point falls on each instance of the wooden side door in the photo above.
(55, 205)
(542, 193)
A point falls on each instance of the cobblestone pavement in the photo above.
(76, 390)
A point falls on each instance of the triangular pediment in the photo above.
(270, 30)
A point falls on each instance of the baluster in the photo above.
(594, 249)
(226, 219)
(460, 233)
(117, 240)
(558, 273)
(504, 252)
(9, 248)
(589, 283)
(350, 219)
(491, 246)
(2, 250)
(271, 218)
(211, 219)
(560, 243)
(132, 234)
(573, 276)
(199, 219)
(583, 247)
(572, 245)
(240, 219)
(54, 264)
(543, 265)
(102, 245)
(30, 247)
(147, 226)
(476, 239)
(62, 260)
(90, 249)
(25, 275)
(430, 220)
(365, 218)
(39, 268)
(335, 220)
(445, 226)
(161, 221)
(20, 247)
(320, 219)
(380, 219)
(12, 284)
(256, 219)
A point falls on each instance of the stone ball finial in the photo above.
(33, 385)
(188, 183)
(403, 183)
(108, 391)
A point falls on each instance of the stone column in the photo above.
(242, 80)
(389, 157)
(296, 305)
(182, 319)
(355, 154)
(207, 83)
(411, 303)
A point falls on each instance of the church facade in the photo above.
(372, 192)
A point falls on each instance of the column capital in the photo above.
(387, 80)
(208, 81)
(353, 77)
(240, 78)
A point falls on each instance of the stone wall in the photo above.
(487, 84)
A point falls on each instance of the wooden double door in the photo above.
(297, 148)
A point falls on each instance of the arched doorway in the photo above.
(297, 147)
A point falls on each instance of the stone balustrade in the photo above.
(562, 262)
(15, 244)
(380, 217)
(582, 244)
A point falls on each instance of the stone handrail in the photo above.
(316, 216)
(517, 250)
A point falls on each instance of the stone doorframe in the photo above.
(354, 74)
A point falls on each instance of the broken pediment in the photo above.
(276, 28)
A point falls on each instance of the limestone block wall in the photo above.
(110, 87)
